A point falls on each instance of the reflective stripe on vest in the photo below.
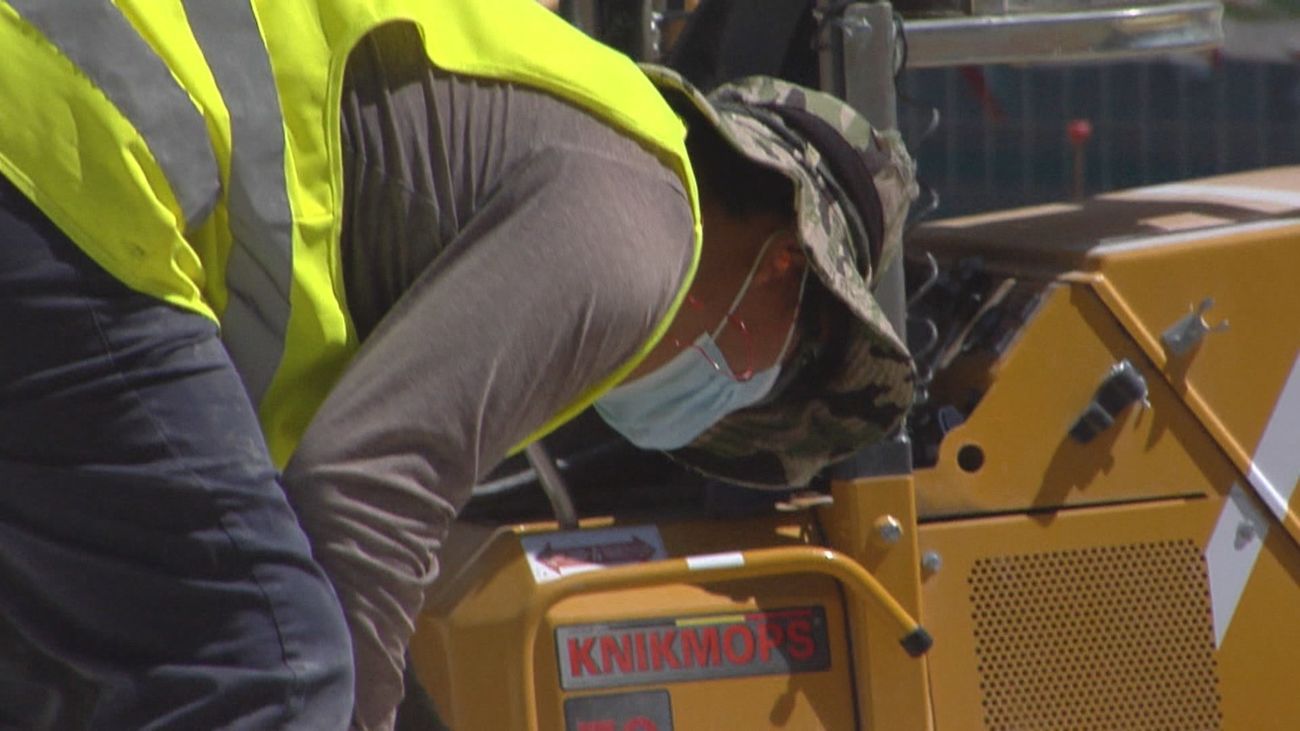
(259, 271)
(96, 37)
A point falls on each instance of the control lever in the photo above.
(1123, 386)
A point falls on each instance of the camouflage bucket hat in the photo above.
(820, 412)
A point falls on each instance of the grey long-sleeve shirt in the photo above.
(502, 250)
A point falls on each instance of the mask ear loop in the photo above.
(744, 287)
(794, 323)
(741, 377)
(693, 302)
(730, 317)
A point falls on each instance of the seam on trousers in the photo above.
(297, 689)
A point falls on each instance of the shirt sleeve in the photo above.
(551, 285)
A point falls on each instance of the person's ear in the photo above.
(784, 258)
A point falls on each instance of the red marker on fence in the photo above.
(1079, 131)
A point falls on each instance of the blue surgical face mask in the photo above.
(675, 403)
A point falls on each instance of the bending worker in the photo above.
(281, 280)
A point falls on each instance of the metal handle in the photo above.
(712, 568)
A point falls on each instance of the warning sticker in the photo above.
(552, 555)
(784, 641)
(648, 711)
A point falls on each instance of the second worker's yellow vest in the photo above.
(191, 148)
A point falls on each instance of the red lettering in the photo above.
(798, 634)
(661, 650)
(770, 638)
(580, 659)
(596, 726)
(700, 647)
(612, 651)
(745, 654)
(640, 723)
(642, 661)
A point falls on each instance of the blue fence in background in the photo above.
(1002, 138)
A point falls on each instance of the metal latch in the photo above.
(1122, 387)
(1190, 329)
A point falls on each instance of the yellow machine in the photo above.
(1100, 531)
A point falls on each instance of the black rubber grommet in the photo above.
(917, 642)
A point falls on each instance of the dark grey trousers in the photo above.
(152, 574)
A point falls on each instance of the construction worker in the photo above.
(282, 280)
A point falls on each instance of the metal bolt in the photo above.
(931, 562)
(888, 530)
(1246, 533)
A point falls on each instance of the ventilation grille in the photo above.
(1097, 639)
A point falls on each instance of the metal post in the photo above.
(870, 44)
(858, 61)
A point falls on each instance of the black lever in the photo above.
(1123, 386)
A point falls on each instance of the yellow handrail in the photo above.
(712, 568)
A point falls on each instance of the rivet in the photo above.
(1246, 533)
(888, 530)
(931, 562)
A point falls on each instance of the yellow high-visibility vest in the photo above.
(191, 148)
